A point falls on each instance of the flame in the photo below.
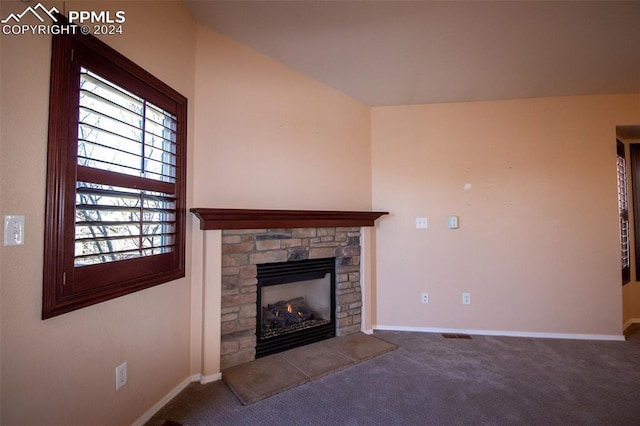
(289, 308)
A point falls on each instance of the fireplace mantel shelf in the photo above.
(211, 218)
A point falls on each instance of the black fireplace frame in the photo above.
(277, 273)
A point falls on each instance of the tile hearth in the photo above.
(265, 377)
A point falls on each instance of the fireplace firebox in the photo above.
(295, 304)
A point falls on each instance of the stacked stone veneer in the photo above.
(242, 250)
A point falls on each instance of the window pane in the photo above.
(623, 208)
(161, 132)
(162, 117)
(114, 223)
(108, 140)
(106, 158)
(91, 102)
(93, 83)
(122, 133)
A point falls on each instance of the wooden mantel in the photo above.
(258, 219)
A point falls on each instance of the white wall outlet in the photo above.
(121, 375)
(425, 297)
(13, 230)
(452, 222)
(466, 298)
(421, 222)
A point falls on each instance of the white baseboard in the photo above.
(168, 397)
(504, 333)
(631, 322)
(212, 378)
(368, 331)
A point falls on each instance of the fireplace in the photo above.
(245, 251)
(295, 304)
(252, 237)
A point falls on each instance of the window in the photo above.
(623, 210)
(115, 198)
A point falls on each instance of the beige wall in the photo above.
(269, 137)
(61, 371)
(537, 246)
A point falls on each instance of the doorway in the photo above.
(628, 144)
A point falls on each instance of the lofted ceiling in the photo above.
(410, 52)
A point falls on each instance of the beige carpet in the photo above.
(267, 376)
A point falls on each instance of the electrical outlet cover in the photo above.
(13, 230)
(452, 222)
(121, 375)
(421, 223)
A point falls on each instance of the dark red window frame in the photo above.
(65, 286)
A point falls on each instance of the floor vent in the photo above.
(455, 336)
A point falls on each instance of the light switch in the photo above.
(13, 230)
(453, 222)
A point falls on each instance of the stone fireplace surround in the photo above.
(243, 238)
(242, 250)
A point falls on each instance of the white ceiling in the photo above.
(408, 52)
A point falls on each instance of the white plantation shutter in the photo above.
(125, 139)
(623, 210)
